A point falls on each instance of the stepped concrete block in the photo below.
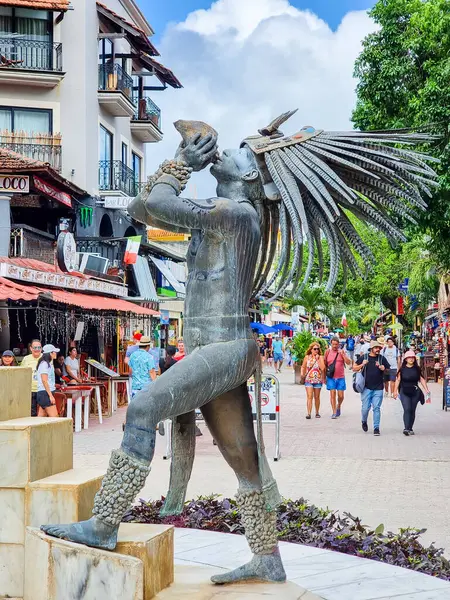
(11, 570)
(12, 516)
(15, 383)
(34, 448)
(60, 570)
(154, 546)
(62, 498)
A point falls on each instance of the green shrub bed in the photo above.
(302, 523)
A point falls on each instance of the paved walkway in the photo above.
(327, 575)
(391, 479)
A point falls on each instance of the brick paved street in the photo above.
(390, 479)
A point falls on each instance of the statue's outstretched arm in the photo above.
(138, 211)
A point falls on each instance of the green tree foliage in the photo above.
(404, 81)
(313, 300)
(301, 342)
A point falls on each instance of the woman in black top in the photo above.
(168, 361)
(408, 379)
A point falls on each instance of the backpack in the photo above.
(331, 368)
(350, 344)
(359, 378)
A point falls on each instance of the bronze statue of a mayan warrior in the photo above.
(303, 185)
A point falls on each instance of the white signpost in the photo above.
(270, 411)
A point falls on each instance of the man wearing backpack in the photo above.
(392, 355)
(374, 367)
(335, 361)
(350, 346)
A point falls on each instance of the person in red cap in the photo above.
(407, 382)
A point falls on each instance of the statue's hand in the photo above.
(198, 152)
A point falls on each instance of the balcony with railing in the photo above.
(146, 121)
(114, 176)
(24, 61)
(115, 90)
(45, 147)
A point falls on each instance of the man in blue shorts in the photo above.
(335, 361)
(277, 346)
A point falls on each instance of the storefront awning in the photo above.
(278, 317)
(10, 290)
(167, 274)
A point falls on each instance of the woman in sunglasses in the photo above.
(31, 361)
(313, 374)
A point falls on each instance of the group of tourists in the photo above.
(275, 352)
(382, 369)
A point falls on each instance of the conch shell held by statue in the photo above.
(187, 129)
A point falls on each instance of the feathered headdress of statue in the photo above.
(318, 176)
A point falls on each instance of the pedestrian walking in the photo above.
(142, 367)
(313, 375)
(407, 383)
(374, 366)
(392, 355)
(278, 356)
(168, 361)
(350, 348)
(31, 361)
(46, 382)
(335, 361)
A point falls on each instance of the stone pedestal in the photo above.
(15, 383)
(63, 498)
(59, 570)
(34, 448)
(153, 545)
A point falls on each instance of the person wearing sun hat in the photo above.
(46, 382)
(407, 382)
(142, 366)
(374, 366)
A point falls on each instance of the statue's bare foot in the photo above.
(262, 567)
(93, 533)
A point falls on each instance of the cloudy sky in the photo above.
(244, 62)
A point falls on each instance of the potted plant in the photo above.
(300, 344)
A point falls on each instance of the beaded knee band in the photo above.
(124, 478)
(260, 525)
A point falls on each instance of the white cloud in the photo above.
(244, 63)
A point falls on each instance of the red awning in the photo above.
(10, 290)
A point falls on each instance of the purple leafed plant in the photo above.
(303, 523)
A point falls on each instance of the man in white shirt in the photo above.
(364, 347)
(392, 355)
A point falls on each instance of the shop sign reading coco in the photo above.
(14, 184)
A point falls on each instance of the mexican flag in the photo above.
(344, 321)
(132, 250)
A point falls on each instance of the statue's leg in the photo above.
(203, 375)
(183, 451)
(230, 421)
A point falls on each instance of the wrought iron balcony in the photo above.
(147, 110)
(112, 78)
(43, 147)
(113, 175)
(34, 55)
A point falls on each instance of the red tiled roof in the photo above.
(163, 73)
(12, 161)
(38, 4)
(38, 265)
(151, 48)
(10, 290)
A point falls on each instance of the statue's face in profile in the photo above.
(233, 165)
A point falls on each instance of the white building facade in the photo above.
(76, 89)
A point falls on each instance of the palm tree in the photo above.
(313, 300)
